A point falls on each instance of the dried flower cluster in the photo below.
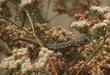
(99, 64)
(15, 33)
(72, 7)
(62, 52)
(58, 33)
(101, 26)
(29, 5)
(13, 36)
(43, 57)
(20, 59)
(25, 2)
(55, 66)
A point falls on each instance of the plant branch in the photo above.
(37, 42)
(53, 17)
(32, 25)
(47, 11)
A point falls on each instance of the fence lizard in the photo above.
(77, 41)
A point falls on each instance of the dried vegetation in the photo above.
(32, 48)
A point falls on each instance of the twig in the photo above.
(37, 42)
(24, 19)
(47, 11)
(26, 40)
(32, 25)
(53, 67)
(53, 18)
(15, 24)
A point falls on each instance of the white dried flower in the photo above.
(18, 57)
(13, 61)
(8, 62)
(12, 64)
(20, 52)
(95, 8)
(80, 24)
(43, 60)
(106, 21)
(61, 38)
(107, 16)
(55, 33)
(39, 65)
(25, 2)
(44, 51)
(99, 25)
(26, 66)
(100, 10)
(19, 61)
(43, 57)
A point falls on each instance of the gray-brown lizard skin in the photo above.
(77, 41)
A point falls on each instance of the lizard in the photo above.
(77, 41)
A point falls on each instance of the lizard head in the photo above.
(82, 39)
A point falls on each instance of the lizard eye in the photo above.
(84, 39)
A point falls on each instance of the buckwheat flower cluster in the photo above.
(101, 26)
(100, 10)
(25, 2)
(105, 12)
(58, 33)
(20, 52)
(98, 26)
(8, 63)
(18, 56)
(80, 24)
(107, 16)
(42, 58)
(13, 33)
(26, 66)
